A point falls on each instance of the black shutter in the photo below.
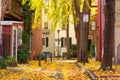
(47, 41)
(62, 42)
(70, 41)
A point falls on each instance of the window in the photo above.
(93, 25)
(46, 1)
(94, 3)
(45, 10)
(45, 25)
(64, 41)
(45, 42)
(63, 27)
(19, 36)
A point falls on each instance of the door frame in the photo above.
(14, 28)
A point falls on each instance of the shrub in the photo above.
(3, 63)
(11, 61)
(23, 56)
(42, 57)
(65, 54)
(92, 50)
(73, 47)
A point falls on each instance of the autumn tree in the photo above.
(59, 12)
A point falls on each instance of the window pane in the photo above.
(93, 25)
(45, 10)
(45, 25)
(64, 42)
(63, 27)
(43, 41)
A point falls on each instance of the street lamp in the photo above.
(58, 43)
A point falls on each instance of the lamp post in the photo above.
(58, 43)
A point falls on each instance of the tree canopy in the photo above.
(57, 10)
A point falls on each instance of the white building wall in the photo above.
(117, 30)
(51, 35)
(62, 33)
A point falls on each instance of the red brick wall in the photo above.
(7, 30)
(36, 42)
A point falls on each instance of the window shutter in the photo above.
(62, 42)
(47, 41)
(70, 41)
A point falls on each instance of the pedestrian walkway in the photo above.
(66, 61)
(60, 70)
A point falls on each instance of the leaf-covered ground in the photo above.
(62, 70)
(50, 71)
(94, 66)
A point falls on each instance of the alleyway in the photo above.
(62, 70)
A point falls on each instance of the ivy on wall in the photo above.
(27, 24)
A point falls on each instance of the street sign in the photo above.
(85, 17)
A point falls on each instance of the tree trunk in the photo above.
(84, 34)
(108, 34)
(85, 31)
(68, 42)
(77, 14)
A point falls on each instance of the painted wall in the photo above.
(8, 29)
(117, 30)
(101, 26)
(36, 42)
(63, 34)
(50, 34)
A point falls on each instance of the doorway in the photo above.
(14, 43)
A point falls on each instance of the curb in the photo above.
(90, 74)
(78, 65)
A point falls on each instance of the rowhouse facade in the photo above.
(11, 26)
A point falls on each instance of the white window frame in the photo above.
(20, 28)
(14, 28)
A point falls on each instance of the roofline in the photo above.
(10, 22)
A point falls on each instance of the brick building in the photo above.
(11, 26)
